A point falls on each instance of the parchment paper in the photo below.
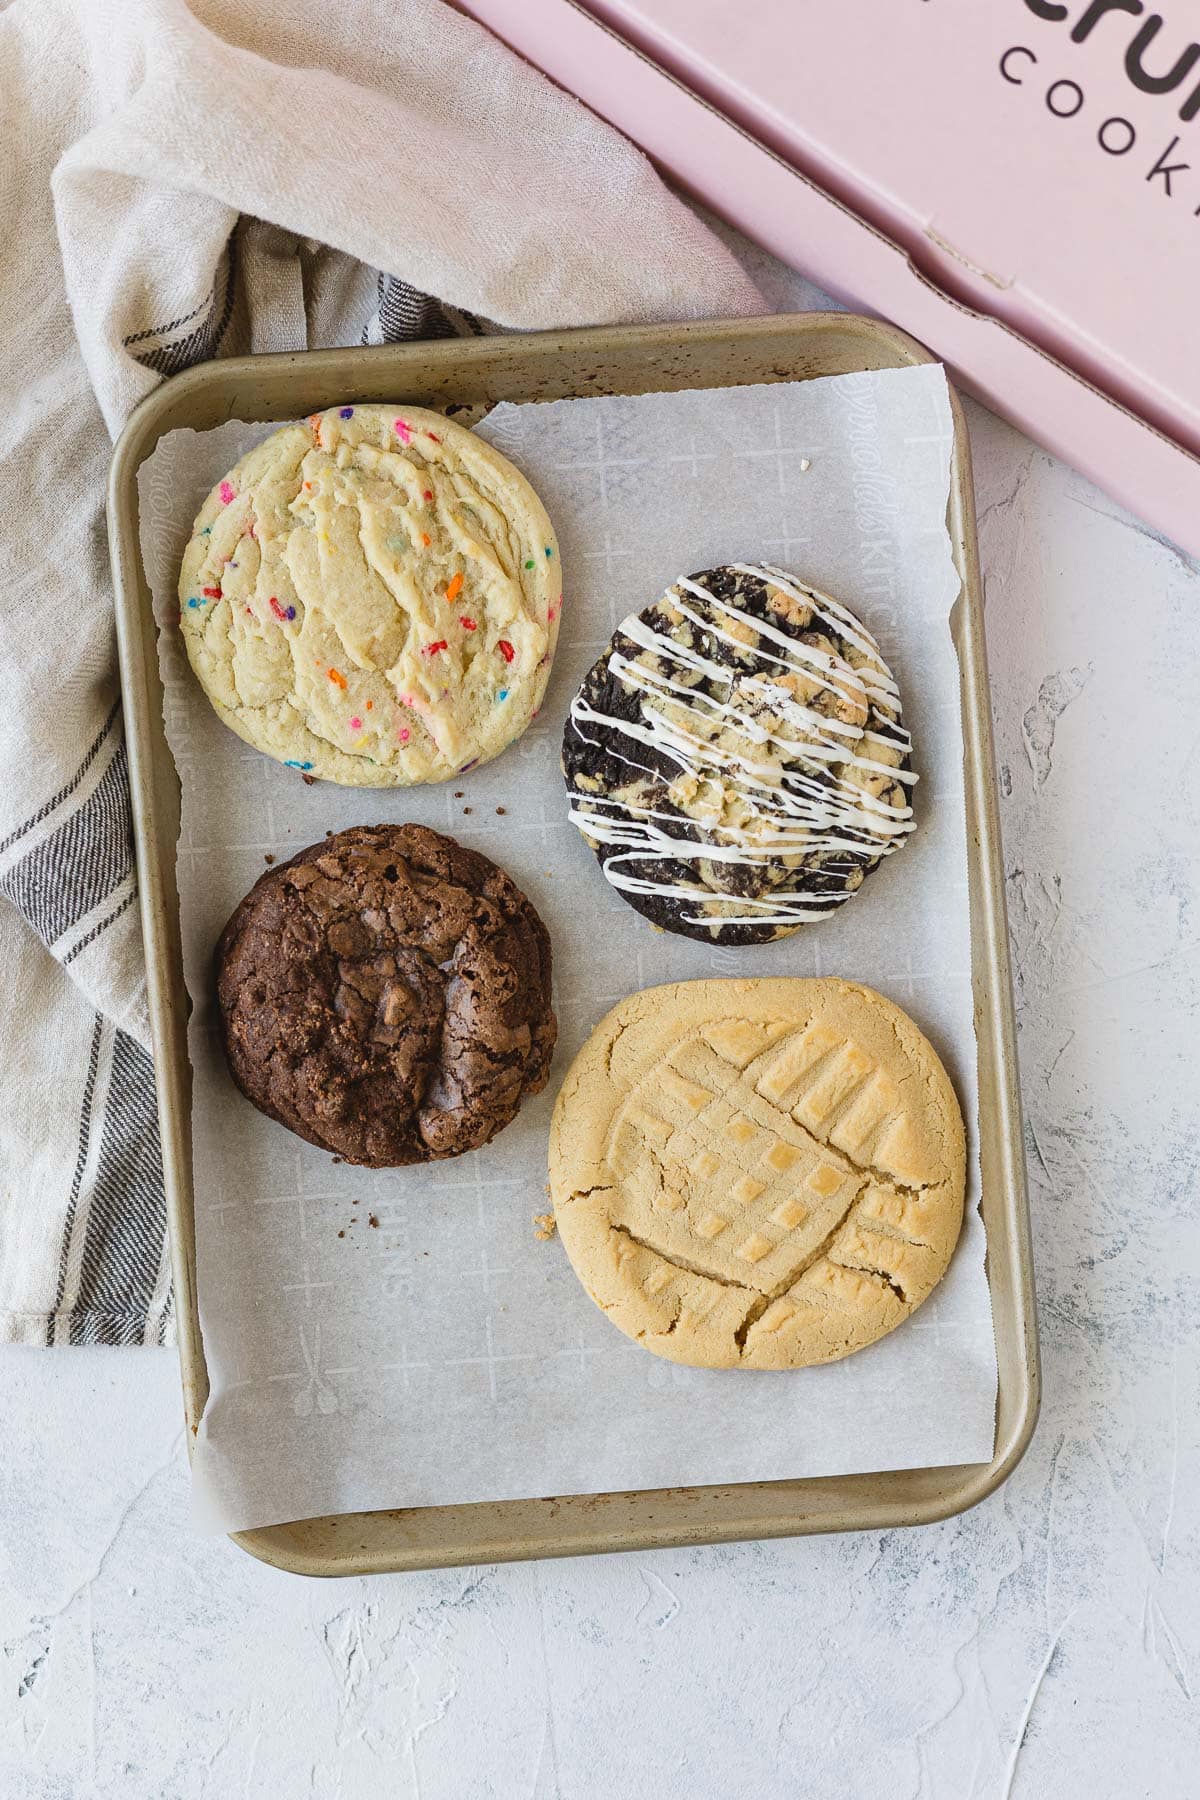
(402, 1338)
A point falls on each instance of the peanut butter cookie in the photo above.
(757, 1174)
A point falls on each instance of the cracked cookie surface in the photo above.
(757, 1174)
(386, 995)
(737, 758)
(373, 596)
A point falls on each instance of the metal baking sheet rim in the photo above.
(549, 365)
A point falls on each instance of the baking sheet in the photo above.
(436, 1351)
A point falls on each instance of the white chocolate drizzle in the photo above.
(779, 788)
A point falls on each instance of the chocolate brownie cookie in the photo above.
(736, 758)
(386, 995)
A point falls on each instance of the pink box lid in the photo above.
(1011, 147)
(908, 188)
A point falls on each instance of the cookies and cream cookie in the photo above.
(386, 995)
(737, 758)
(373, 596)
(757, 1174)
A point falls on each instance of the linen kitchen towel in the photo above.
(186, 181)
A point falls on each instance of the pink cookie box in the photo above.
(1015, 182)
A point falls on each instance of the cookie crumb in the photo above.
(500, 810)
(458, 793)
(341, 1234)
(310, 781)
(466, 810)
(372, 1221)
(805, 464)
(338, 1159)
(546, 1226)
(268, 858)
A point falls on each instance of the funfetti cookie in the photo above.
(757, 1174)
(373, 596)
(737, 757)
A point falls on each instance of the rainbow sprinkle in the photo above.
(468, 624)
(503, 694)
(402, 431)
(226, 492)
(356, 724)
(432, 649)
(211, 593)
(289, 764)
(338, 679)
(434, 436)
(280, 612)
(428, 494)
(455, 588)
(531, 564)
(195, 603)
(403, 734)
(549, 551)
(506, 650)
(346, 412)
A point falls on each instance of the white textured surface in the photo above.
(1047, 1643)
